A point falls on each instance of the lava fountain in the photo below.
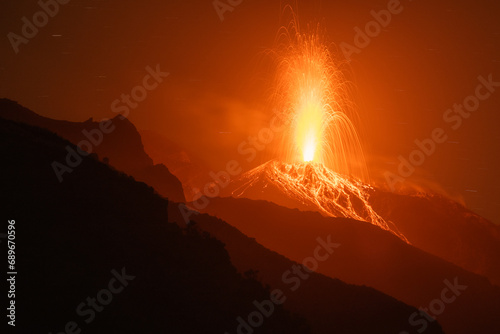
(312, 92)
(321, 165)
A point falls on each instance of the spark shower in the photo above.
(320, 156)
(312, 92)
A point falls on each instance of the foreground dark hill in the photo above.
(121, 147)
(373, 257)
(430, 222)
(330, 305)
(74, 238)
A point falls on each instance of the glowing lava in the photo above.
(324, 166)
(308, 130)
(313, 94)
(314, 187)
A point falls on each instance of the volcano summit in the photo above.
(313, 187)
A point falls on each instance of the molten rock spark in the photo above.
(324, 166)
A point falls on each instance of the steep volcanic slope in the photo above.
(72, 235)
(122, 147)
(369, 256)
(313, 186)
(430, 222)
(330, 305)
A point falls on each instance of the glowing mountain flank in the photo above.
(315, 186)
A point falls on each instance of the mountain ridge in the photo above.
(120, 146)
(430, 222)
(369, 256)
(74, 236)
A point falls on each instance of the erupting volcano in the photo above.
(321, 161)
(313, 185)
(313, 95)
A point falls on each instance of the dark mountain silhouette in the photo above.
(71, 235)
(184, 165)
(122, 147)
(387, 257)
(368, 256)
(329, 304)
(430, 222)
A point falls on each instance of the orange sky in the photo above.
(427, 59)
